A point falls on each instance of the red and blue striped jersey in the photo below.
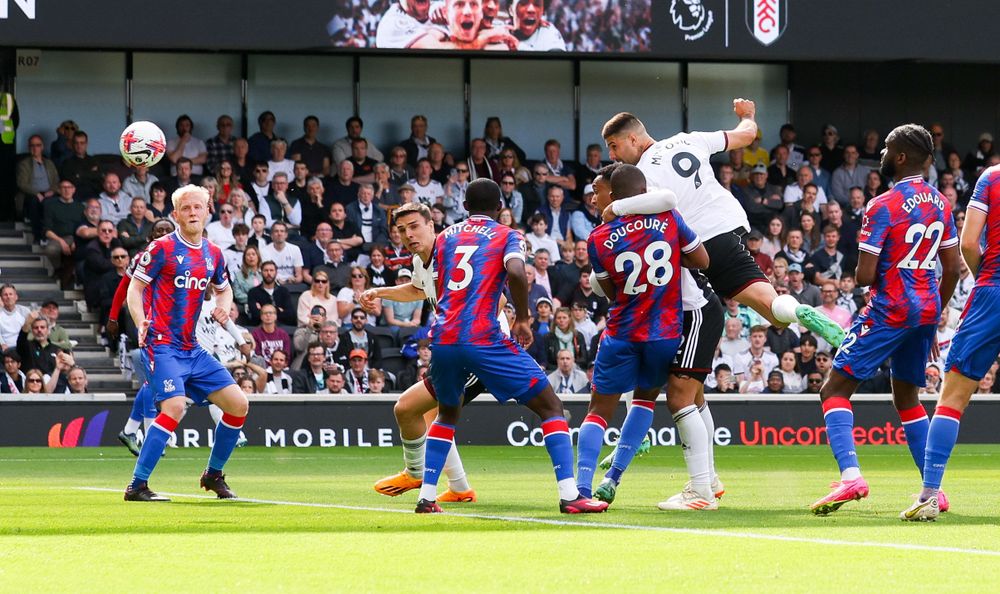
(470, 259)
(178, 274)
(986, 198)
(641, 254)
(906, 227)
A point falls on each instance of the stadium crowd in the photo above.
(306, 228)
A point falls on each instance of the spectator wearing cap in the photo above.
(12, 380)
(57, 334)
(775, 383)
(754, 242)
(402, 314)
(358, 376)
(824, 363)
(976, 160)
(804, 293)
(761, 200)
(585, 218)
(567, 377)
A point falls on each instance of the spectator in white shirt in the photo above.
(287, 256)
(758, 351)
(278, 161)
(278, 382)
(539, 237)
(221, 232)
(186, 145)
(12, 317)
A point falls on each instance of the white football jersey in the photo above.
(681, 163)
(544, 39)
(398, 29)
(692, 296)
(424, 278)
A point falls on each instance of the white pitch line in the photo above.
(605, 525)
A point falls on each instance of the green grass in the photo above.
(57, 537)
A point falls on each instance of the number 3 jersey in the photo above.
(681, 164)
(178, 274)
(470, 258)
(641, 255)
(906, 227)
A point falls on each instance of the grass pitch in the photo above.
(311, 521)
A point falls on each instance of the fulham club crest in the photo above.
(767, 19)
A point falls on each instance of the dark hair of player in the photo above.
(627, 181)
(621, 122)
(914, 141)
(483, 196)
(608, 170)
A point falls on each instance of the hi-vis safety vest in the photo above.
(6, 118)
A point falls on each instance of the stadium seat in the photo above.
(404, 334)
(392, 361)
(384, 338)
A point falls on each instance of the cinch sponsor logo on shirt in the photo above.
(190, 282)
(71, 437)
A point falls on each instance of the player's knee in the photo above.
(174, 408)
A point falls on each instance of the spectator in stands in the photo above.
(369, 220)
(848, 175)
(873, 185)
(400, 171)
(733, 343)
(556, 217)
(349, 298)
(160, 206)
(567, 377)
(932, 378)
(814, 381)
(986, 384)
(773, 237)
(243, 165)
(139, 183)
(313, 206)
(68, 377)
(269, 292)
(558, 173)
(796, 152)
(953, 165)
(741, 170)
(438, 216)
(754, 241)
(183, 177)
(336, 349)
(976, 161)
(377, 381)
(549, 282)
(286, 256)
(278, 380)
(299, 184)
(942, 149)
(848, 243)
(82, 169)
(757, 350)
(311, 379)
(850, 296)
(804, 293)
(37, 180)
(754, 382)
(511, 199)
(39, 353)
(219, 148)
(725, 381)
(278, 205)
(441, 163)
(496, 142)
(803, 179)
(396, 254)
(108, 283)
(386, 195)
(833, 152)
(810, 231)
(508, 163)
(779, 271)
(597, 306)
(134, 230)
(357, 335)
(310, 150)
(807, 354)
(364, 166)
(755, 154)
(417, 144)
(454, 193)
(342, 146)
(62, 147)
(478, 163)
(781, 340)
(563, 335)
(581, 321)
(585, 218)
(726, 178)
(775, 383)
(341, 188)
(97, 260)
(830, 293)
(427, 190)
(259, 185)
(260, 142)
(12, 380)
(12, 317)
(856, 204)
(779, 173)
(539, 239)
(114, 203)
(318, 295)
(335, 382)
(246, 276)
(381, 275)
(62, 215)
(221, 232)
(824, 363)
(228, 182)
(966, 282)
(187, 145)
(533, 192)
(821, 177)
(34, 382)
(402, 314)
(247, 384)
(335, 267)
(358, 376)
(827, 262)
(345, 233)
(761, 199)
(268, 336)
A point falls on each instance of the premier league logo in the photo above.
(767, 19)
(691, 17)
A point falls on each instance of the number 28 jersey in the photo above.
(641, 255)
(681, 164)
(470, 258)
(906, 227)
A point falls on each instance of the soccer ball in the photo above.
(142, 144)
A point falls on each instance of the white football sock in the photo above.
(567, 489)
(706, 416)
(413, 456)
(456, 471)
(428, 492)
(694, 438)
(131, 426)
(216, 413)
(146, 422)
(850, 474)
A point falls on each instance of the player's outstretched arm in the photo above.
(697, 258)
(398, 293)
(744, 133)
(652, 202)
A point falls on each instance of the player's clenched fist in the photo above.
(744, 108)
(368, 300)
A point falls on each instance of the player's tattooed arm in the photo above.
(652, 202)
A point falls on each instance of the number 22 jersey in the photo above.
(641, 254)
(906, 227)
